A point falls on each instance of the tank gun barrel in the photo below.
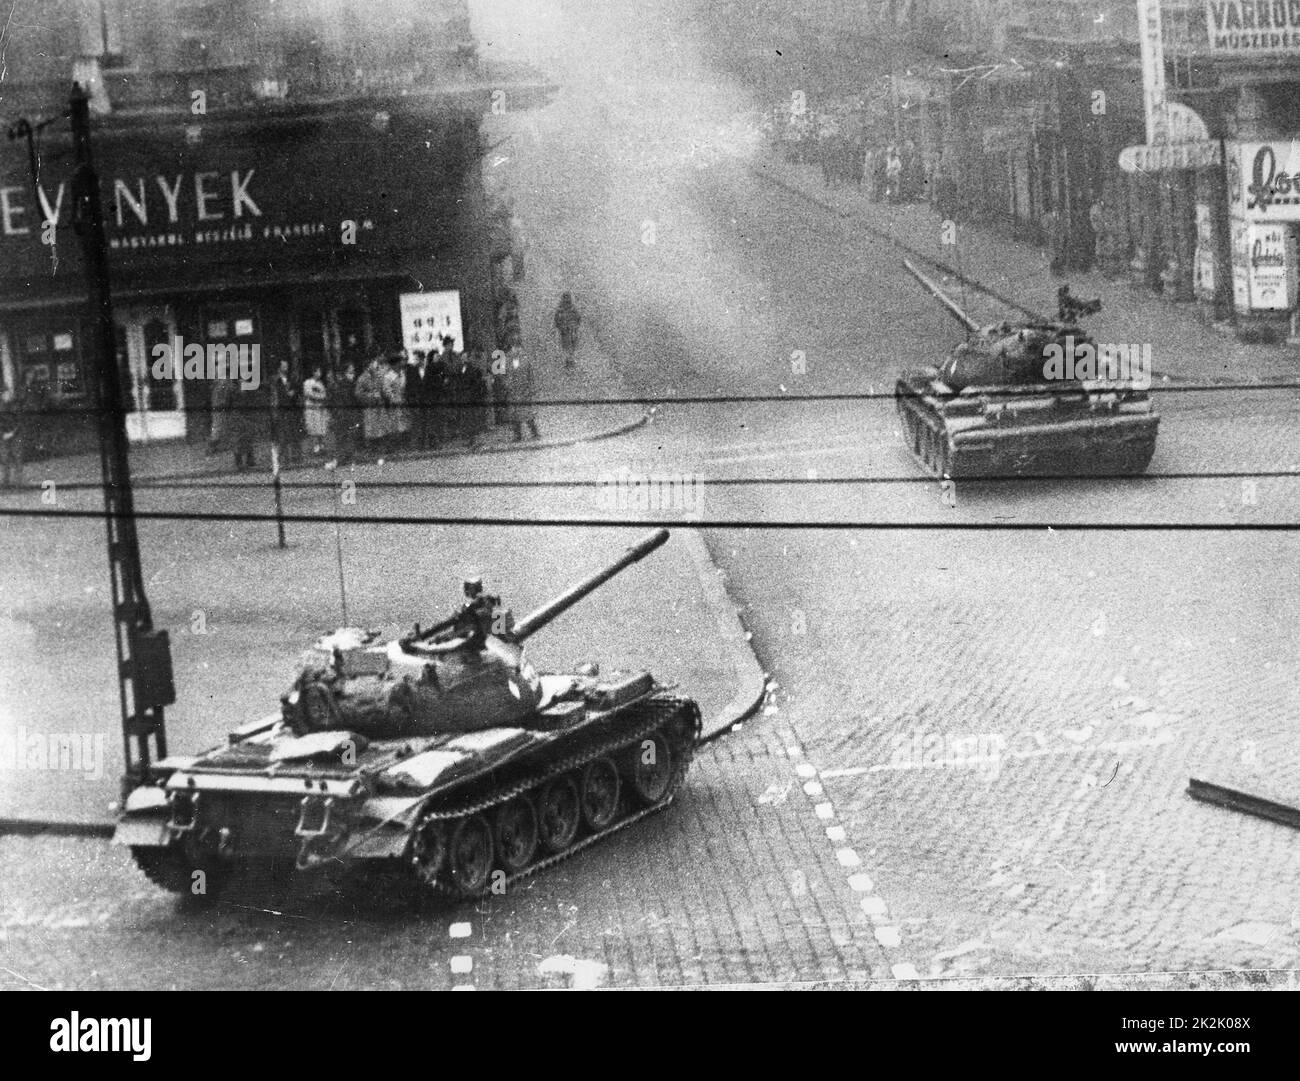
(535, 621)
(943, 298)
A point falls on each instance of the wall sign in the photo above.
(429, 317)
(1248, 28)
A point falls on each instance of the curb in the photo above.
(855, 218)
(413, 456)
(751, 680)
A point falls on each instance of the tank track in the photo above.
(677, 719)
(679, 724)
(929, 448)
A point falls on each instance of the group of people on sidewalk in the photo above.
(419, 401)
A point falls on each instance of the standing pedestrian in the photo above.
(519, 393)
(1054, 234)
(12, 435)
(394, 393)
(417, 401)
(344, 413)
(893, 176)
(567, 321)
(220, 410)
(438, 392)
(247, 420)
(286, 414)
(317, 419)
(370, 396)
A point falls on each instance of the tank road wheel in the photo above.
(469, 856)
(652, 769)
(516, 834)
(429, 852)
(194, 881)
(600, 790)
(559, 813)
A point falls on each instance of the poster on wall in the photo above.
(1264, 271)
(429, 317)
(1272, 271)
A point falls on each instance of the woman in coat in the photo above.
(344, 413)
(370, 396)
(394, 391)
(314, 414)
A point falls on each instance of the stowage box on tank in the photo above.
(442, 758)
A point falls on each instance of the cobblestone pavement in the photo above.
(737, 883)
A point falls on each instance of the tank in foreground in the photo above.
(441, 759)
(1004, 402)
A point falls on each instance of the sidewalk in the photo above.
(595, 378)
(1185, 348)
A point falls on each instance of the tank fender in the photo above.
(145, 818)
(387, 822)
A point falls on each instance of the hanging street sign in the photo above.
(1162, 157)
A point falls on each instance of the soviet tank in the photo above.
(440, 759)
(1029, 399)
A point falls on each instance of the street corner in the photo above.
(747, 678)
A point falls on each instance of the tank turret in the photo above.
(1007, 353)
(463, 674)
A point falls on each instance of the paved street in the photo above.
(974, 758)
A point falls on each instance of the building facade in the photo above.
(272, 174)
(1037, 100)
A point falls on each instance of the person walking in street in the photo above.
(344, 413)
(286, 414)
(12, 435)
(518, 381)
(567, 321)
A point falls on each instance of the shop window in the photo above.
(162, 392)
(51, 363)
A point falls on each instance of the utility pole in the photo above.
(144, 666)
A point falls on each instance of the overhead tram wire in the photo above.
(654, 401)
(679, 521)
(199, 484)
